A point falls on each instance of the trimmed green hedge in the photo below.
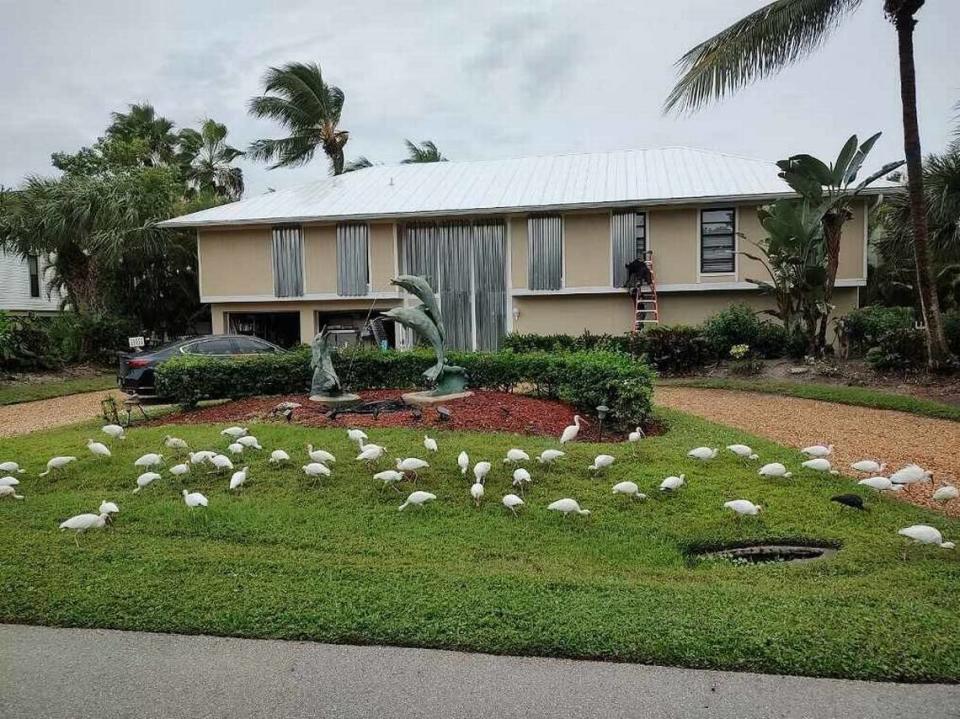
(584, 379)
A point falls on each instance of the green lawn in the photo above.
(28, 392)
(860, 396)
(337, 562)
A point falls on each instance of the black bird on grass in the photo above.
(849, 500)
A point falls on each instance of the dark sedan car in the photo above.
(136, 371)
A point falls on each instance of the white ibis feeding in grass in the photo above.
(389, 476)
(57, 463)
(925, 534)
(819, 464)
(911, 474)
(476, 491)
(320, 455)
(567, 507)
(463, 462)
(854, 501)
(150, 459)
(239, 478)
(481, 470)
(743, 451)
(235, 448)
(570, 433)
(204, 455)
(109, 507)
(515, 456)
(946, 493)
(630, 489)
(549, 456)
(411, 464)
(8, 490)
(601, 461)
(774, 469)
(868, 466)
(672, 484)
(702, 454)
(144, 479)
(278, 457)
(817, 450)
(194, 499)
(9, 481)
(316, 469)
(11, 468)
(358, 436)
(114, 431)
(234, 432)
(512, 502)
(521, 478)
(98, 449)
(175, 443)
(743, 507)
(83, 522)
(249, 441)
(429, 443)
(178, 470)
(221, 462)
(417, 499)
(371, 453)
(636, 435)
(881, 484)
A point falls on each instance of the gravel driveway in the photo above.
(48, 413)
(896, 438)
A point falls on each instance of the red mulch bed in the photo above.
(485, 411)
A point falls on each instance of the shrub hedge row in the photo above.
(584, 379)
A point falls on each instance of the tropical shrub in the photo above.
(677, 349)
(772, 341)
(89, 338)
(25, 342)
(898, 349)
(865, 326)
(733, 325)
(584, 379)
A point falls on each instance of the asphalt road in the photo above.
(79, 673)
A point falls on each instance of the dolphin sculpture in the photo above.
(420, 288)
(417, 319)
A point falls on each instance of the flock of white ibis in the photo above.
(320, 461)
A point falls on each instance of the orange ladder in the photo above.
(647, 307)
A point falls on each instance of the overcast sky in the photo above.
(483, 80)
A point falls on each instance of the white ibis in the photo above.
(98, 449)
(476, 491)
(946, 493)
(511, 502)
(358, 436)
(233, 432)
(204, 455)
(109, 507)
(911, 474)
(150, 459)
(114, 431)
(601, 461)
(278, 456)
(925, 534)
(235, 448)
(175, 443)
(239, 478)
(144, 479)
(389, 476)
(83, 522)
(817, 450)
(411, 464)
(819, 464)
(521, 478)
(7, 490)
(570, 433)
(743, 451)
(481, 470)
(881, 484)
(516, 455)
(249, 441)
(702, 454)
(316, 469)
(636, 435)
(774, 469)
(463, 462)
(629, 489)
(429, 443)
(672, 484)
(220, 462)
(549, 456)
(743, 507)
(868, 466)
(57, 463)
(371, 453)
(194, 499)
(11, 467)
(320, 455)
(178, 470)
(567, 507)
(9, 481)
(417, 499)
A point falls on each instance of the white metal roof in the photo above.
(654, 176)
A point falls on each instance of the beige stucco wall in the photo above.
(236, 262)
(672, 236)
(320, 258)
(518, 252)
(383, 262)
(573, 314)
(586, 245)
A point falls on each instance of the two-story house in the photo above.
(530, 245)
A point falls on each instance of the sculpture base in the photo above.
(347, 399)
(428, 398)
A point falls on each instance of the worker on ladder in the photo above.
(638, 275)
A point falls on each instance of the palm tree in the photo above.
(785, 31)
(297, 97)
(426, 151)
(205, 159)
(142, 125)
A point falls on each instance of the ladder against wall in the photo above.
(646, 305)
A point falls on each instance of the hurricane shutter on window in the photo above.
(418, 252)
(287, 262)
(490, 284)
(629, 242)
(353, 266)
(717, 241)
(456, 304)
(545, 252)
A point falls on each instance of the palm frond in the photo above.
(759, 45)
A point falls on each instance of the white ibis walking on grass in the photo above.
(83, 522)
(371, 453)
(114, 431)
(144, 479)
(11, 468)
(601, 461)
(411, 464)
(476, 491)
(389, 476)
(320, 455)
(57, 463)
(481, 470)
(194, 499)
(429, 443)
(316, 469)
(150, 459)
(570, 433)
(220, 462)
(358, 436)
(743, 451)
(630, 489)
(278, 456)
(703, 454)
(512, 502)
(743, 507)
(235, 448)
(239, 478)
(417, 499)
(463, 462)
(672, 484)
(249, 441)
(925, 534)
(515, 456)
(549, 456)
(636, 435)
(521, 478)
(567, 507)
(98, 449)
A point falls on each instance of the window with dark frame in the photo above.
(33, 267)
(718, 241)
